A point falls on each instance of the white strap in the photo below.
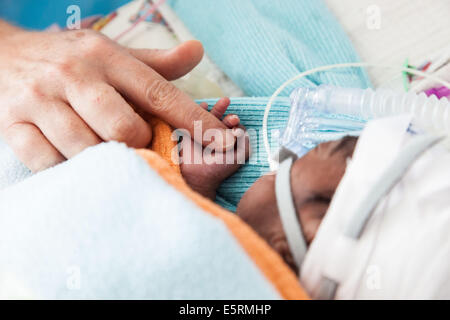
(387, 181)
(287, 212)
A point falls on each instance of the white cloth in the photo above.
(404, 250)
(11, 169)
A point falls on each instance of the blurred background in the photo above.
(40, 14)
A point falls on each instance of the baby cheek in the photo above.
(250, 209)
(258, 207)
(257, 196)
(311, 216)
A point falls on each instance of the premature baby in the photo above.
(314, 179)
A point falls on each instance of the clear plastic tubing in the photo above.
(428, 112)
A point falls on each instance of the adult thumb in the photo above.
(173, 63)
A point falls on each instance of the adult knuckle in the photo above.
(95, 45)
(32, 90)
(22, 144)
(196, 113)
(161, 94)
(67, 63)
(71, 127)
(98, 94)
(63, 68)
(19, 142)
(7, 126)
(122, 129)
(8, 114)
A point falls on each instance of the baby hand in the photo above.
(204, 169)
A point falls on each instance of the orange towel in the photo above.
(162, 142)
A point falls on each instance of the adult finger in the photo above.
(32, 147)
(108, 114)
(173, 63)
(203, 105)
(67, 132)
(150, 91)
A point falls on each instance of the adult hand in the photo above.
(63, 92)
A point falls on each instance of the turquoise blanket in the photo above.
(260, 44)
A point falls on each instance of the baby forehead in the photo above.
(345, 145)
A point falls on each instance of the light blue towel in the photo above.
(260, 44)
(104, 225)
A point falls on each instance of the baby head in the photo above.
(314, 179)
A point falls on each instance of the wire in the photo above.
(272, 163)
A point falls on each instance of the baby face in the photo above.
(314, 179)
